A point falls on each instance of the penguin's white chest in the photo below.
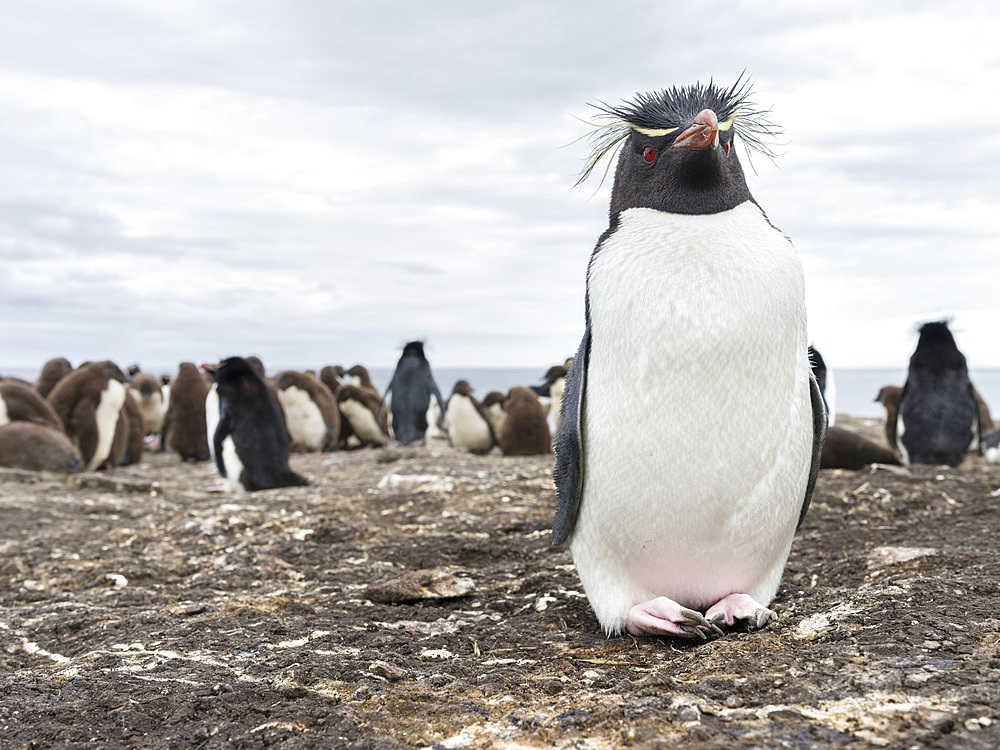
(697, 416)
(106, 415)
(466, 427)
(303, 418)
(234, 466)
(212, 416)
(363, 422)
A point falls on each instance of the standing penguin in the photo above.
(696, 301)
(52, 372)
(148, 393)
(938, 415)
(311, 414)
(184, 428)
(89, 401)
(493, 404)
(525, 431)
(412, 386)
(363, 416)
(888, 396)
(250, 441)
(466, 421)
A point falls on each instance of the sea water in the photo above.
(856, 388)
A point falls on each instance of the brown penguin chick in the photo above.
(889, 397)
(184, 428)
(332, 377)
(132, 423)
(845, 449)
(358, 375)
(364, 416)
(52, 372)
(311, 414)
(466, 422)
(493, 404)
(22, 403)
(36, 447)
(525, 431)
(88, 401)
(148, 393)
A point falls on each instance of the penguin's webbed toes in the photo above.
(663, 616)
(740, 607)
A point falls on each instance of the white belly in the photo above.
(698, 426)
(363, 422)
(467, 430)
(234, 467)
(303, 418)
(212, 416)
(106, 415)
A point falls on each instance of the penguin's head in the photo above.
(677, 150)
(462, 388)
(936, 349)
(230, 370)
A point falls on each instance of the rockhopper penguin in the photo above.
(681, 494)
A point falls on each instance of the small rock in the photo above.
(734, 701)
(439, 680)
(390, 672)
(882, 556)
(916, 679)
(420, 584)
(688, 713)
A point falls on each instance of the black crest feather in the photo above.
(673, 108)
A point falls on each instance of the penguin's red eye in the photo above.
(649, 154)
(725, 149)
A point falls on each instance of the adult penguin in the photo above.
(411, 387)
(697, 302)
(250, 440)
(938, 416)
(89, 401)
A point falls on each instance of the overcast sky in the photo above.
(320, 182)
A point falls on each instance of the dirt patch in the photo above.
(412, 599)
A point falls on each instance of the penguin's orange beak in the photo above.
(702, 133)
(207, 367)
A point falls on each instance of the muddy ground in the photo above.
(412, 599)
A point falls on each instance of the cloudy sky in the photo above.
(320, 182)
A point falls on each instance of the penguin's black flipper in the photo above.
(569, 467)
(819, 436)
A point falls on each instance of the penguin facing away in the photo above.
(52, 372)
(693, 296)
(21, 403)
(412, 386)
(184, 427)
(250, 441)
(938, 416)
(37, 447)
(525, 431)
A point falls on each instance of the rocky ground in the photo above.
(412, 599)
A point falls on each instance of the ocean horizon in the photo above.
(855, 388)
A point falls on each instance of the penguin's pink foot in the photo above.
(663, 616)
(740, 607)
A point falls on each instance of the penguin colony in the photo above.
(97, 416)
(665, 543)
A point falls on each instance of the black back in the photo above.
(819, 372)
(249, 416)
(937, 406)
(412, 386)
